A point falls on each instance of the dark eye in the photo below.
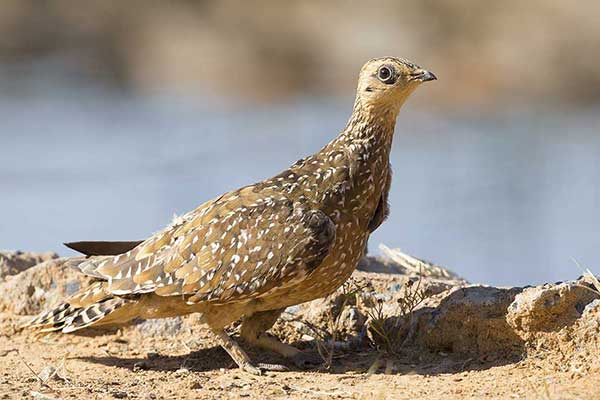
(386, 75)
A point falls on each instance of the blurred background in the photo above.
(116, 115)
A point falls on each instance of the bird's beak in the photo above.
(422, 75)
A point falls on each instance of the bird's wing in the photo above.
(238, 246)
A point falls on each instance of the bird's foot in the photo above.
(260, 368)
(305, 360)
(273, 367)
(251, 369)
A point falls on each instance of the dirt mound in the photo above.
(572, 349)
(40, 287)
(549, 308)
(416, 331)
(13, 262)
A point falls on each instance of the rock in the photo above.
(13, 262)
(9, 325)
(574, 347)
(40, 287)
(380, 265)
(47, 373)
(182, 372)
(41, 396)
(398, 262)
(434, 278)
(51, 373)
(381, 281)
(353, 322)
(588, 326)
(549, 307)
(480, 320)
(469, 320)
(591, 309)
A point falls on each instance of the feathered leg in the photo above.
(254, 331)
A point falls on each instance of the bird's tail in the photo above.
(94, 305)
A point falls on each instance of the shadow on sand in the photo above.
(413, 361)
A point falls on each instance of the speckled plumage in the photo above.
(254, 251)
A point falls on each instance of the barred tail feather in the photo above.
(57, 313)
(66, 318)
(93, 314)
(92, 306)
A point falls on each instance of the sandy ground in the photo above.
(130, 364)
(177, 358)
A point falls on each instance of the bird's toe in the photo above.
(272, 367)
(260, 368)
(251, 369)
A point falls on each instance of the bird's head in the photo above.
(387, 82)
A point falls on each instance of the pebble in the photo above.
(140, 366)
(47, 373)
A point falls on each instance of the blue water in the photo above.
(505, 199)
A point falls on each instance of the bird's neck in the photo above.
(372, 123)
(365, 143)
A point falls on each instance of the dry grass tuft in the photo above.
(387, 316)
(327, 339)
(389, 332)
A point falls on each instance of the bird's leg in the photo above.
(240, 357)
(254, 329)
(235, 351)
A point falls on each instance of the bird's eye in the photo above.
(386, 75)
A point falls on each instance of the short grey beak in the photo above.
(427, 76)
(423, 76)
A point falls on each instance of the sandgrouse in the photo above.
(252, 252)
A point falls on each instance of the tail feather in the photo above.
(57, 313)
(92, 306)
(90, 315)
(103, 248)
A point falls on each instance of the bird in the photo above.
(252, 252)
